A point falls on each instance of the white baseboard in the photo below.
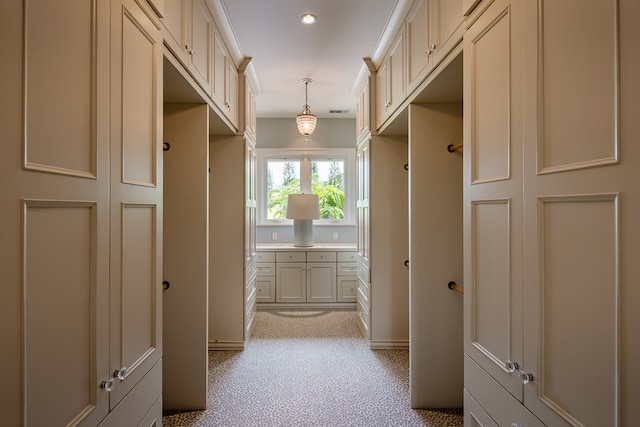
(389, 345)
(226, 345)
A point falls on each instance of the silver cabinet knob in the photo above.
(511, 366)
(107, 385)
(120, 374)
(427, 52)
(526, 377)
(432, 47)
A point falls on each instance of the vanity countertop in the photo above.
(276, 247)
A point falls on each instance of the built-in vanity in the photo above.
(323, 275)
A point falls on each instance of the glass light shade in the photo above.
(306, 123)
(303, 206)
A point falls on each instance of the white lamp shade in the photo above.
(303, 206)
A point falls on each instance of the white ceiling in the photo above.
(284, 50)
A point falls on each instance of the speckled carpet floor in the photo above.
(310, 368)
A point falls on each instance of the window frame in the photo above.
(305, 156)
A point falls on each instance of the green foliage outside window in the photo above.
(330, 191)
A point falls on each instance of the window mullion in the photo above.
(305, 175)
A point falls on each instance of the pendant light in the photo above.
(306, 121)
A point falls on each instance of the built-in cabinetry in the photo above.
(391, 83)
(430, 30)
(81, 206)
(550, 175)
(307, 276)
(382, 245)
(232, 291)
(193, 38)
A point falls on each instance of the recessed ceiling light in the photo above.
(308, 18)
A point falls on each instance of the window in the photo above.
(327, 173)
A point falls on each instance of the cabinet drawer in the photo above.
(347, 256)
(363, 291)
(347, 268)
(497, 402)
(363, 314)
(363, 272)
(265, 257)
(321, 257)
(266, 268)
(265, 289)
(291, 256)
(347, 288)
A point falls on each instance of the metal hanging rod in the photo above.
(453, 147)
(454, 287)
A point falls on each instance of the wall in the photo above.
(329, 133)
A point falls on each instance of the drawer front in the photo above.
(363, 291)
(347, 256)
(321, 257)
(347, 288)
(265, 257)
(363, 314)
(250, 275)
(494, 399)
(266, 268)
(347, 268)
(266, 289)
(363, 272)
(291, 257)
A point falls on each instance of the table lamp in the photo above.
(303, 209)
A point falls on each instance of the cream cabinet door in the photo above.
(321, 282)
(582, 204)
(419, 50)
(136, 196)
(200, 30)
(54, 210)
(492, 218)
(291, 282)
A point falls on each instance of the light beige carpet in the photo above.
(310, 368)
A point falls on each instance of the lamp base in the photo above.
(303, 232)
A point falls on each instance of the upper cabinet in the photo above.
(429, 32)
(363, 103)
(434, 27)
(189, 26)
(197, 42)
(193, 38)
(250, 107)
(391, 80)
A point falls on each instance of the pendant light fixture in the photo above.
(306, 121)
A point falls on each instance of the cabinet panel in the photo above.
(136, 196)
(291, 282)
(321, 256)
(59, 136)
(265, 257)
(418, 49)
(291, 257)
(397, 72)
(488, 62)
(493, 199)
(219, 69)
(347, 268)
(347, 288)
(58, 249)
(200, 49)
(347, 256)
(574, 109)
(266, 288)
(503, 408)
(586, 266)
(139, 58)
(321, 282)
